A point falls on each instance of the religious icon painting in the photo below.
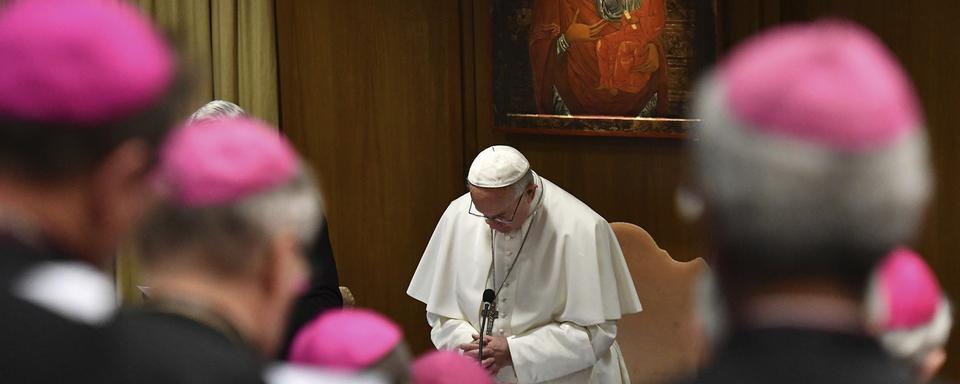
(599, 67)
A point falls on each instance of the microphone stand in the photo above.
(486, 320)
(483, 325)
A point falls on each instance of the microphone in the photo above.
(488, 297)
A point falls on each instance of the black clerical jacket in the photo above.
(37, 344)
(795, 356)
(166, 347)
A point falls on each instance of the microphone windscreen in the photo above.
(489, 296)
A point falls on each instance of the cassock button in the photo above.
(509, 237)
(509, 253)
(500, 330)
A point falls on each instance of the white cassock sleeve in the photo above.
(559, 349)
(448, 333)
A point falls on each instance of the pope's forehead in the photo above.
(491, 194)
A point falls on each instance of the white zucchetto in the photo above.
(497, 166)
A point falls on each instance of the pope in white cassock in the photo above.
(558, 273)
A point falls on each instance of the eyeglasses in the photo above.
(473, 211)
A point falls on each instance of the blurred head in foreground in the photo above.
(448, 367)
(908, 311)
(808, 175)
(354, 340)
(86, 95)
(240, 207)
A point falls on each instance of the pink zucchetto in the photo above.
(84, 62)
(910, 314)
(908, 290)
(831, 83)
(348, 339)
(221, 161)
(448, 367)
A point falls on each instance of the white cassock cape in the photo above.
(559, 306)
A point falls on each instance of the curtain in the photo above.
(230, 48)
(229, 51)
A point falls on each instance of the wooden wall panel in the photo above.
(623, 180)
(743, 18)
(370, 93)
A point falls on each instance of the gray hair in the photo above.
(218, 109)
(915, 344)
(799, 206)
(521, 185)
(912, 344)
(228, 238)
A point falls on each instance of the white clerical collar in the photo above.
(70, 289)
(538, 195)
(534, 206)
(284, 373)
(803, 311)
